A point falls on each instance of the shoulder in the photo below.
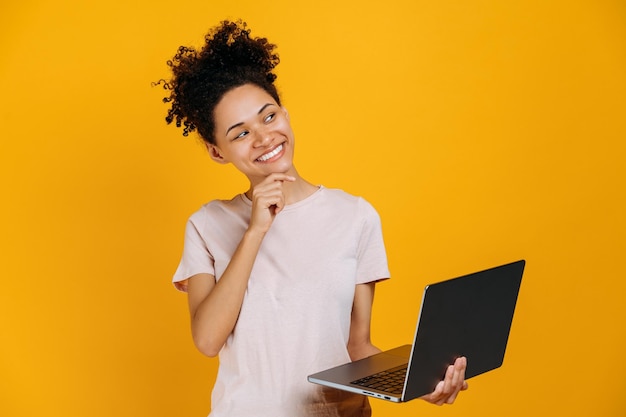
(341, 196)
(217, 209)
(356, 204)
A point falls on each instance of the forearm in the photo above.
(214, 319)
(359, 343)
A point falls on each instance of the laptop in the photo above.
(466, 316)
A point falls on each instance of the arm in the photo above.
(214, 306)
(359, 343)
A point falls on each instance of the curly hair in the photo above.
(230, 58)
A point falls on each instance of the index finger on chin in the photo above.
(280, 176)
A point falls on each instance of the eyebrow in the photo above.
(241, 123)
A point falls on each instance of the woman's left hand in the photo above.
(447, 390)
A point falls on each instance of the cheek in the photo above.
(239, 149)
(284, 126)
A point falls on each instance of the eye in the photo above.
(243, 134)
(269, 117)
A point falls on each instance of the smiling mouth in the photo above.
(271, 154)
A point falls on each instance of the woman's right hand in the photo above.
(268, 199)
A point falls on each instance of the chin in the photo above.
(282, 168)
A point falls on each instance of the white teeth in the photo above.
(271, 154)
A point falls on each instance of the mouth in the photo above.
(267, 156)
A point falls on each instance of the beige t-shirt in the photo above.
(295, 317)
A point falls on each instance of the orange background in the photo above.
(482, 131)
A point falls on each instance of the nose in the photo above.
(263, 138)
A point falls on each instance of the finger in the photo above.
(460, 364)
(278, 207)
(452, 398)
(268, 187)
(268, 193)
(458, 379)
(435, 396)
(449, 388)
(279, 176)
(274, 201)
(453, 382)
(265, 206)
(439, 395)
(448, 380)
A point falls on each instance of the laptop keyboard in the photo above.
(391, 380)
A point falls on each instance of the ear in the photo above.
(286, 113)
(215, 153)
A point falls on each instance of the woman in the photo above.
(280, 279)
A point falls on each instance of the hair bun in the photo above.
(229, 47)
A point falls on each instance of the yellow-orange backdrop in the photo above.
(483, 132)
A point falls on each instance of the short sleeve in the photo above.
(196, 257)
(371, 254)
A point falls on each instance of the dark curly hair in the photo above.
(230, 58)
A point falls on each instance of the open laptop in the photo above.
(466, 316)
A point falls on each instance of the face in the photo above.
(253, 133)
